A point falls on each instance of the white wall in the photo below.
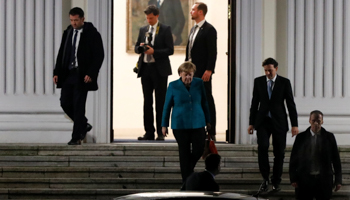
(127, 94)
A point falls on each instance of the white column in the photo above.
(338, 48)
(309, 49)
(39, 47)
(2, 50)
(291, 41)
(299, 44)
(99, 104)
(10, 48)
(346, 51)
(49, 60)
(328, 49)
(318, 90)
(29, 44)
(19, 66)
(249, 59)
(57, 33)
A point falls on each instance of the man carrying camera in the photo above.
(155, 45)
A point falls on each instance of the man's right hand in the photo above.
(55, 79)
(295, 185)
(250, 129)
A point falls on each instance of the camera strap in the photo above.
(157, 30)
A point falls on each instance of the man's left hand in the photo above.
(295, 131)
(87, 79)
(150, 51)
(206, 75)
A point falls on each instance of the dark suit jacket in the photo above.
(300, 159)
(163, 48)
(204, 49)
(190, 108)
(261, 104)
(90, 55)
(171, 14)
(200, 181)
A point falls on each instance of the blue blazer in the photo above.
(190, 107)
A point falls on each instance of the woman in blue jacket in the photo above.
(190, 114)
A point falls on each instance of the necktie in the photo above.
(158, 3)
(269, 91)
(269, 88)
(72, 56)
(149, 57)
(191, 40)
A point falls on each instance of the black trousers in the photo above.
(279, 146)
(314, 186)
(212, 109)
(152, 81)
(73, 100)
(191, 146)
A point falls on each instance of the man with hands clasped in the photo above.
(314, 156)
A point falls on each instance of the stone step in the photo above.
(132, 183)
(127, 172)
(127, 161)
(104, 171)
(104, 194)
(131, 149)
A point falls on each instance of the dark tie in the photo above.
(191, 40)
(72, 55)
(269, 91)
(149, 57)
(269, 88)
(158, 3)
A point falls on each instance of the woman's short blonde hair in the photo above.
(187, 67)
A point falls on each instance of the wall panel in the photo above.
(30, 109)
(318, 49)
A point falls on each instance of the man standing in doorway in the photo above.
(77, 66)
(202, 50)
(155, 45)
(269, 117)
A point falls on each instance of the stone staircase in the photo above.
(105, 171)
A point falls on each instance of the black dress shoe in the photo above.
(74, 142)
(160, 138)
(145, 137)
(276, 188)
(264, 187)
(88, 127)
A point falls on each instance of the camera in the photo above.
(142, 48)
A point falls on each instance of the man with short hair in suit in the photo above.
(77, 66)
(154, 69)
(202, 50)
(269, 117)
(314, 156)
(205, 181)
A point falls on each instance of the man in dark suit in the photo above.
(314, 154)
(201, 50)
(269, 117)
(205, 181)
(77, 66)
(171, 14)
(154, 69)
